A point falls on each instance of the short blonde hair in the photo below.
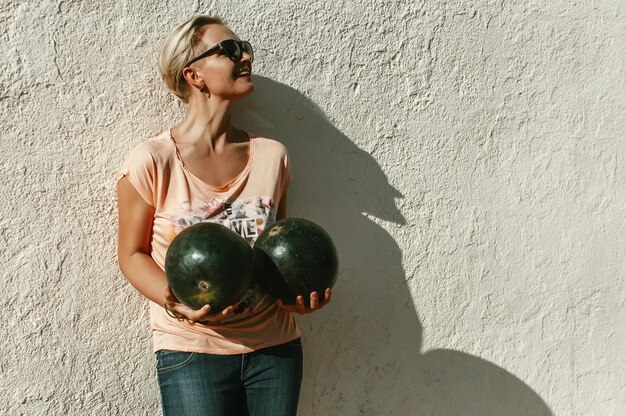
(178, 49)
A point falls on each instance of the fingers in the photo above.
(205, 310)
(229, 310)
(317, 303)
(181, 312)
(300, 307)
(314, 301)
(205, 317)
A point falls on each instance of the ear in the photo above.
(192, 77)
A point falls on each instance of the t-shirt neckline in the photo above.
(230, 183)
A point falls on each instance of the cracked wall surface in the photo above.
(466, 157)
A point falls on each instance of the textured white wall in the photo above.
(468, 158)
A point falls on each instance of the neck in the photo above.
(207, 124)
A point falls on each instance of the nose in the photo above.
(245, 57)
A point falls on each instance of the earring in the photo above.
(205, 90)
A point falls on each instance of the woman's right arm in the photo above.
(133, 249)
(133, 252)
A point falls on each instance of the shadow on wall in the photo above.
(362, 353)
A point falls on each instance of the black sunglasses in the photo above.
(232, 48)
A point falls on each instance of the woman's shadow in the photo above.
(362, 352)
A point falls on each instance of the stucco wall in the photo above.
(467, 157)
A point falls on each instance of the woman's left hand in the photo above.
(301, 308)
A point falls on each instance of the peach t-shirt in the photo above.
(247, 204)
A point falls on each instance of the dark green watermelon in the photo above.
(208, 263)
(295, 257)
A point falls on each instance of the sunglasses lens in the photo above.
(231, 49)
(235, 50)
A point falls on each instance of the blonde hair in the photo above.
(178, 49)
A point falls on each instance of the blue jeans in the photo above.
(261, 383)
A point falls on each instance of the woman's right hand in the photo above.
(182, 312)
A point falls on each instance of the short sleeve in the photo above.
(140, 169)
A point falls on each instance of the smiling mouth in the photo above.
(243, 72)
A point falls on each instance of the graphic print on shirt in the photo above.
(248, 218)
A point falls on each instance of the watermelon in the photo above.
(295, 256)
(207, 263)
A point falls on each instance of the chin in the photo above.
(248, 91)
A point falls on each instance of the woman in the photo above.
(246, 359)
